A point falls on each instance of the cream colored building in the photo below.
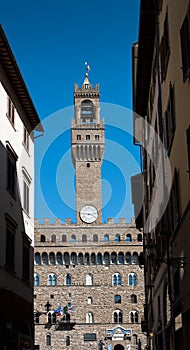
(161, 98)
(89, 276)
(18, 119)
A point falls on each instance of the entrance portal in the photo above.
(118, 347)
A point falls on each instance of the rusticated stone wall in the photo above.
(97, 298)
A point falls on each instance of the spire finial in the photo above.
(86, 81)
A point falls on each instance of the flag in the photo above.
(65, 310)
(58, 311)
(71, 309)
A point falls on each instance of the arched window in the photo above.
(128, 238)
(99, 259)
(37, 259)
(67, 340)
(139, 237)
(116, 279)
(53, 238)
(128, 258)
(73, 239)
(66, 258)
(135, 339)
(74, 258)
(86, 258)
(133, 298)
(89, 300)
(117, 299)
(93, 258)
(52, 258)
(117, 238)
(80, 259)
(52, 279)
(114, 258)
(42, 238)
(48, 340)
(134, 316)
(36, 317)
(49, 317)
(36, 280)
(84, 238)
(95, 238)
(106, 258)
(121, 258)
(106, 238)
(44, 259)
(89, 317)
(68, 279)
(59, 258)
(117, 316)
(89, 279)
(132, 279)
(135, 258)
(87, 111)
(64, 238)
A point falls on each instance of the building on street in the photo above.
(161, 67)
(18, 119)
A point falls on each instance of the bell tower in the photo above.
(87, 152)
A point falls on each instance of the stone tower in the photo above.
(87, 152)
(88, 275)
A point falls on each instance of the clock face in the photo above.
(88, 214)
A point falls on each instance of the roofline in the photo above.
(9, 64)
(146, 41)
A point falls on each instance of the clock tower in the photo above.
(87, 152)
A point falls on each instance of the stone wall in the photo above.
(101, 292)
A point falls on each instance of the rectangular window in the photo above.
(165, 49)
(10, 242)
(26, 196)
(26, 190)
(78, 137)
(11, 172)
(26, 139)
(97, 137)
(185, 46)
(10, 110)
(175, 201)
(169, 127)
(87, 137)
(26, 257)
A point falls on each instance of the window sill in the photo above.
(10, 121)
(26, 149)
(24, 210)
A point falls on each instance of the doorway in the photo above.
(118, 347)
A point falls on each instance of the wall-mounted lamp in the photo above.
(177, 262)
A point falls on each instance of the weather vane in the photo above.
(87, 68)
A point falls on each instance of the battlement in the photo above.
(87, 124)
(69, 222)
(83, 87)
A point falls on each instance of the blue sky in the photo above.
(51, 41)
